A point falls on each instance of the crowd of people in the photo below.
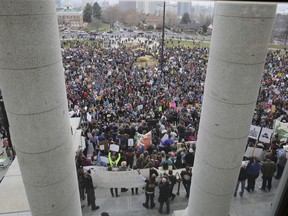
(123, 100)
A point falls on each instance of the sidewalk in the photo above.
(257, 203)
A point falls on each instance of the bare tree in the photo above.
(131, 17)
(112, 14)
(171, 18)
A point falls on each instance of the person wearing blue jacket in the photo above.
(253, 170)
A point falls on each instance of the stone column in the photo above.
(32, 83)
(241, 33)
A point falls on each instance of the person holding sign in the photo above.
(149, 190)
(113, 162)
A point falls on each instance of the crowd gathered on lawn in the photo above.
(119, 99)
(127, 95)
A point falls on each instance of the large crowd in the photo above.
(124, 100)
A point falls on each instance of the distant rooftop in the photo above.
(69, 10)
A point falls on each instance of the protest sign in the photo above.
(114, 148)
(140, 107)
(104, 159)
(265, 135)
(130, 142)
(254, 132)
(251, 151)
(102, 147)
(83, 141)
(89, 117)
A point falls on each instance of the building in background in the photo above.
(85, 2)
(183, 7)
(127, 5)
(105, 4)
(58, 3)
(70, 17)
(147, 7)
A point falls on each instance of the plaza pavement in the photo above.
(257, 203)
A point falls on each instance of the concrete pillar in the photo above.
(241, 33)
(32, 83)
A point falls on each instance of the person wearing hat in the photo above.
(189, 158)
(164, 194)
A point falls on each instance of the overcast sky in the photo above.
(281, 6)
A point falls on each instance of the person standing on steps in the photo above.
(253, 170)
(268, 169)
(186, 176)
(149, 190)
(88, 184)
(173, 180)
(164, 194)
(241, 180)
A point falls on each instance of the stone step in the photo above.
(179, 212)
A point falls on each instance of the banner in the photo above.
(117, 179)
(281, 129)
(103, 178)
(254, 132)
(265, 135)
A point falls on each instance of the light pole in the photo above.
(162, 41)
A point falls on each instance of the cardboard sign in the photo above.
(265, 135)
(254, 132)
(114, 148)
(130, 142)
(89, 117)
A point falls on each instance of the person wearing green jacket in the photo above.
(268, 169)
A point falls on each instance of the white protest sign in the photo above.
(114, 148)
(140, 107)
(83, 141)
(254, 132)
(89, 135)
(165, 137)
(130, 142)
(253, 152)
(71, 113)
(265, 135)
(104, 159)
(102, 147)
(89, 117)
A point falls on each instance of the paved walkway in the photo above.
(257, 203)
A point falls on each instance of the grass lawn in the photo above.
(104, 27)
(187, 43)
